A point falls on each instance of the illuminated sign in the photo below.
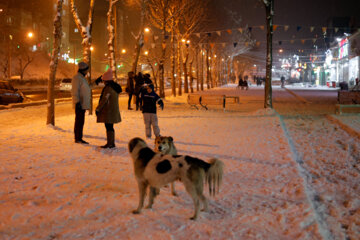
(343, 48)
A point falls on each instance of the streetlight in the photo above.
(30, 35)
(146, 53)
(123, 51)
(147, 30)
(91, 48)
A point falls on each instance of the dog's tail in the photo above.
(214, 176)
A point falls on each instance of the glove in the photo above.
(162, 106)
(98, 80)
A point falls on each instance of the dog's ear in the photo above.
(133, 142)
(171, 139)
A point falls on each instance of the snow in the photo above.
(290, 173)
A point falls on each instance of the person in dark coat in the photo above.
(130, 88)
(108, 109)
(282, 79)
(147, 79)
(241, 82)
(149, 99)
(139, 82)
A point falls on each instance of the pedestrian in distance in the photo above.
(81, 97)
(149, 99)
(107, 110)
(139, 82)
(245, 82)
(282, 79)
(130, 88)
(356, 87)
(241, 82)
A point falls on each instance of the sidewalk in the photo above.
(53, 188)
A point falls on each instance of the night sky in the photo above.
(298, 15)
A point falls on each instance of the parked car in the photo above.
(65, 84)
(8, 94)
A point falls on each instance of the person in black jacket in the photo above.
(149, 99)
(130, 87)
(139, 82)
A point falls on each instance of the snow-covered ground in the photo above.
(290, 173)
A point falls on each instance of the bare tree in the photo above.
(85, 32)
(4, 64)
(191, 17)
(53, 64)
(25, 58)
(111, 31)
(139, 37)
(269, 9)
(159, 16)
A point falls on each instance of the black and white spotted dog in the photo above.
(156, 170)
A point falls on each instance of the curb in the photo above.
(37, 103)
(343, 126)
(303, 100)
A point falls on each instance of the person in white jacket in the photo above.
(81, 96)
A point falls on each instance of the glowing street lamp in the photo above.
(147, 30)
(146, 53)
(183, 40)
(123, 51)
(30, 35)
(91, 48)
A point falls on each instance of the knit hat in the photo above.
(83, 66)
(108, 75)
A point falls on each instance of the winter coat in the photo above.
(108, 109)
(130, 86)
(139, 82)
(81, 91)
(149, 100)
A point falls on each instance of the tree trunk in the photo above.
(202, 70)
(111, 41)
(179, 70)
(140, 37)
(197, 69)
(162, 65)
(173, 49)
(53, 64)
(207, 67)
(269, 8)
(186, 73)
(191, 76)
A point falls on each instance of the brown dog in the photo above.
(165, 145)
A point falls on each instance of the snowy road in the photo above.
(291, 175)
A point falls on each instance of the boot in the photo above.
(110, 135)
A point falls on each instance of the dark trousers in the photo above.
(79, 122)
(138, 102)
(129, 102)
(109, 127)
